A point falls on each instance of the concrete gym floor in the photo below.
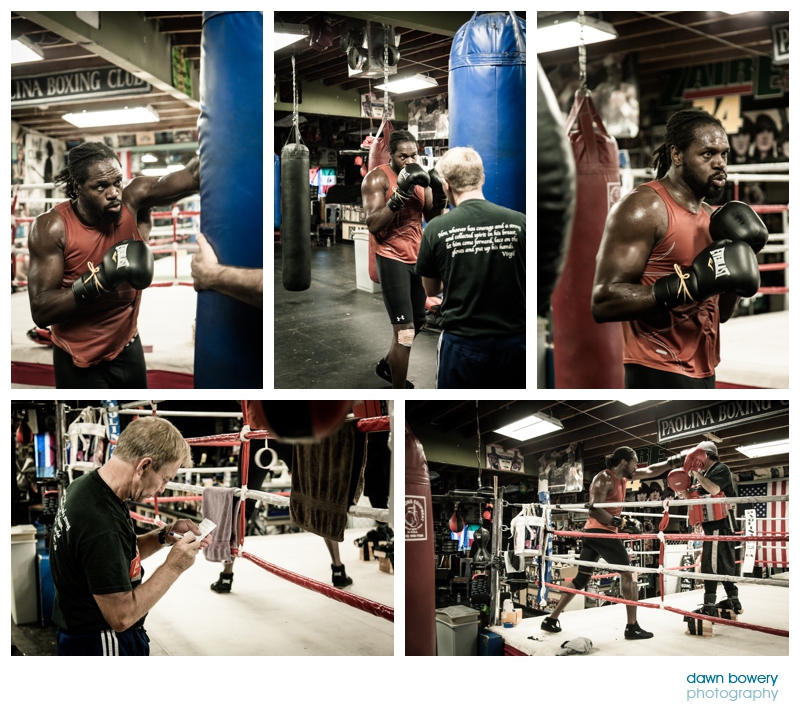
(267, 615)
(332, 335)
(766, 606)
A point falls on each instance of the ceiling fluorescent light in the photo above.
(561, 31)
(287, 33)
(107, 118)
(23, 50)
(765, 449)
(408, 84)
(534, 426)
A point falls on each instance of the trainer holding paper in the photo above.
(101, 601)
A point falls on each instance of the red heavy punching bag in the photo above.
(378, 155)
(586, 354)
(420, 557)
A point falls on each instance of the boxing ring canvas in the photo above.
(763, 605)
(266, 615)
(754, 351)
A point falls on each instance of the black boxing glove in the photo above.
(410, 176)
(128, 261)
(439, 195)
(737, 221)
(723, 266)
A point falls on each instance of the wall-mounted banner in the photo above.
(75, 85)
(563, 468)
(506, 460)
(693, 423)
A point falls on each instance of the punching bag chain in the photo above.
(582, 55)
(385, 71)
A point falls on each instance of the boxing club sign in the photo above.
(75, 85)
(717, 416)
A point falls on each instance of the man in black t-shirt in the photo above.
(475, 256)
(715, 479)
(95, 555)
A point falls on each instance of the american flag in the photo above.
(770, 517)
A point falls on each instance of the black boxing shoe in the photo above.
(383, 371)
(634, 631)
(551, 625)
(339, 577)
(224, 583)
(731, 604)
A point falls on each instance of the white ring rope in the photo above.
(674, 572)
(380, 515)
(673, 503)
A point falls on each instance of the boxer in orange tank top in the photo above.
(397, 197)
(94, 320)
(656, 228)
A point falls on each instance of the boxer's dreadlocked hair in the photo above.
(621, 454)
(399, 136)
(680, 133)
(79, 160)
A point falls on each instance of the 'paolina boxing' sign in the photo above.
(75, 85)
(717, 416)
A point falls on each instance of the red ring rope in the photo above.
(649, 605)
(365, 605)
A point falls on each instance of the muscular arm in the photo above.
(242, 283)
(433, 286)
(49, 303)
(602, 485)
(123, 609)
(373, 194)
(148, 544)
(144, 192)
(633, 228)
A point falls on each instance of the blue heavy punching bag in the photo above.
(229, 334)
(487, 101)
(277, 191)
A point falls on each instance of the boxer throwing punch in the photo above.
(609, 486)
(396, 197)
(89, 264)
(671, 269)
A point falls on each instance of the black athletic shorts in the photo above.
(640, 377)
(719, 557)
(403, 293)
(612, 550)
(127, 370)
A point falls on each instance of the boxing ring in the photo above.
(765, 600)
(377, 610)
(168, 345)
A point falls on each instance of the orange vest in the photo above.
(402, 237)
(99, 331)
(684, 339)
(616, 495)
(700, 513)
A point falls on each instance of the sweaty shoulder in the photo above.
(48, 228)
(644, 209)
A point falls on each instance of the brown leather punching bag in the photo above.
(586, 354)
(420, 557)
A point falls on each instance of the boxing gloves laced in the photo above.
(723, 266)
(128, 261)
